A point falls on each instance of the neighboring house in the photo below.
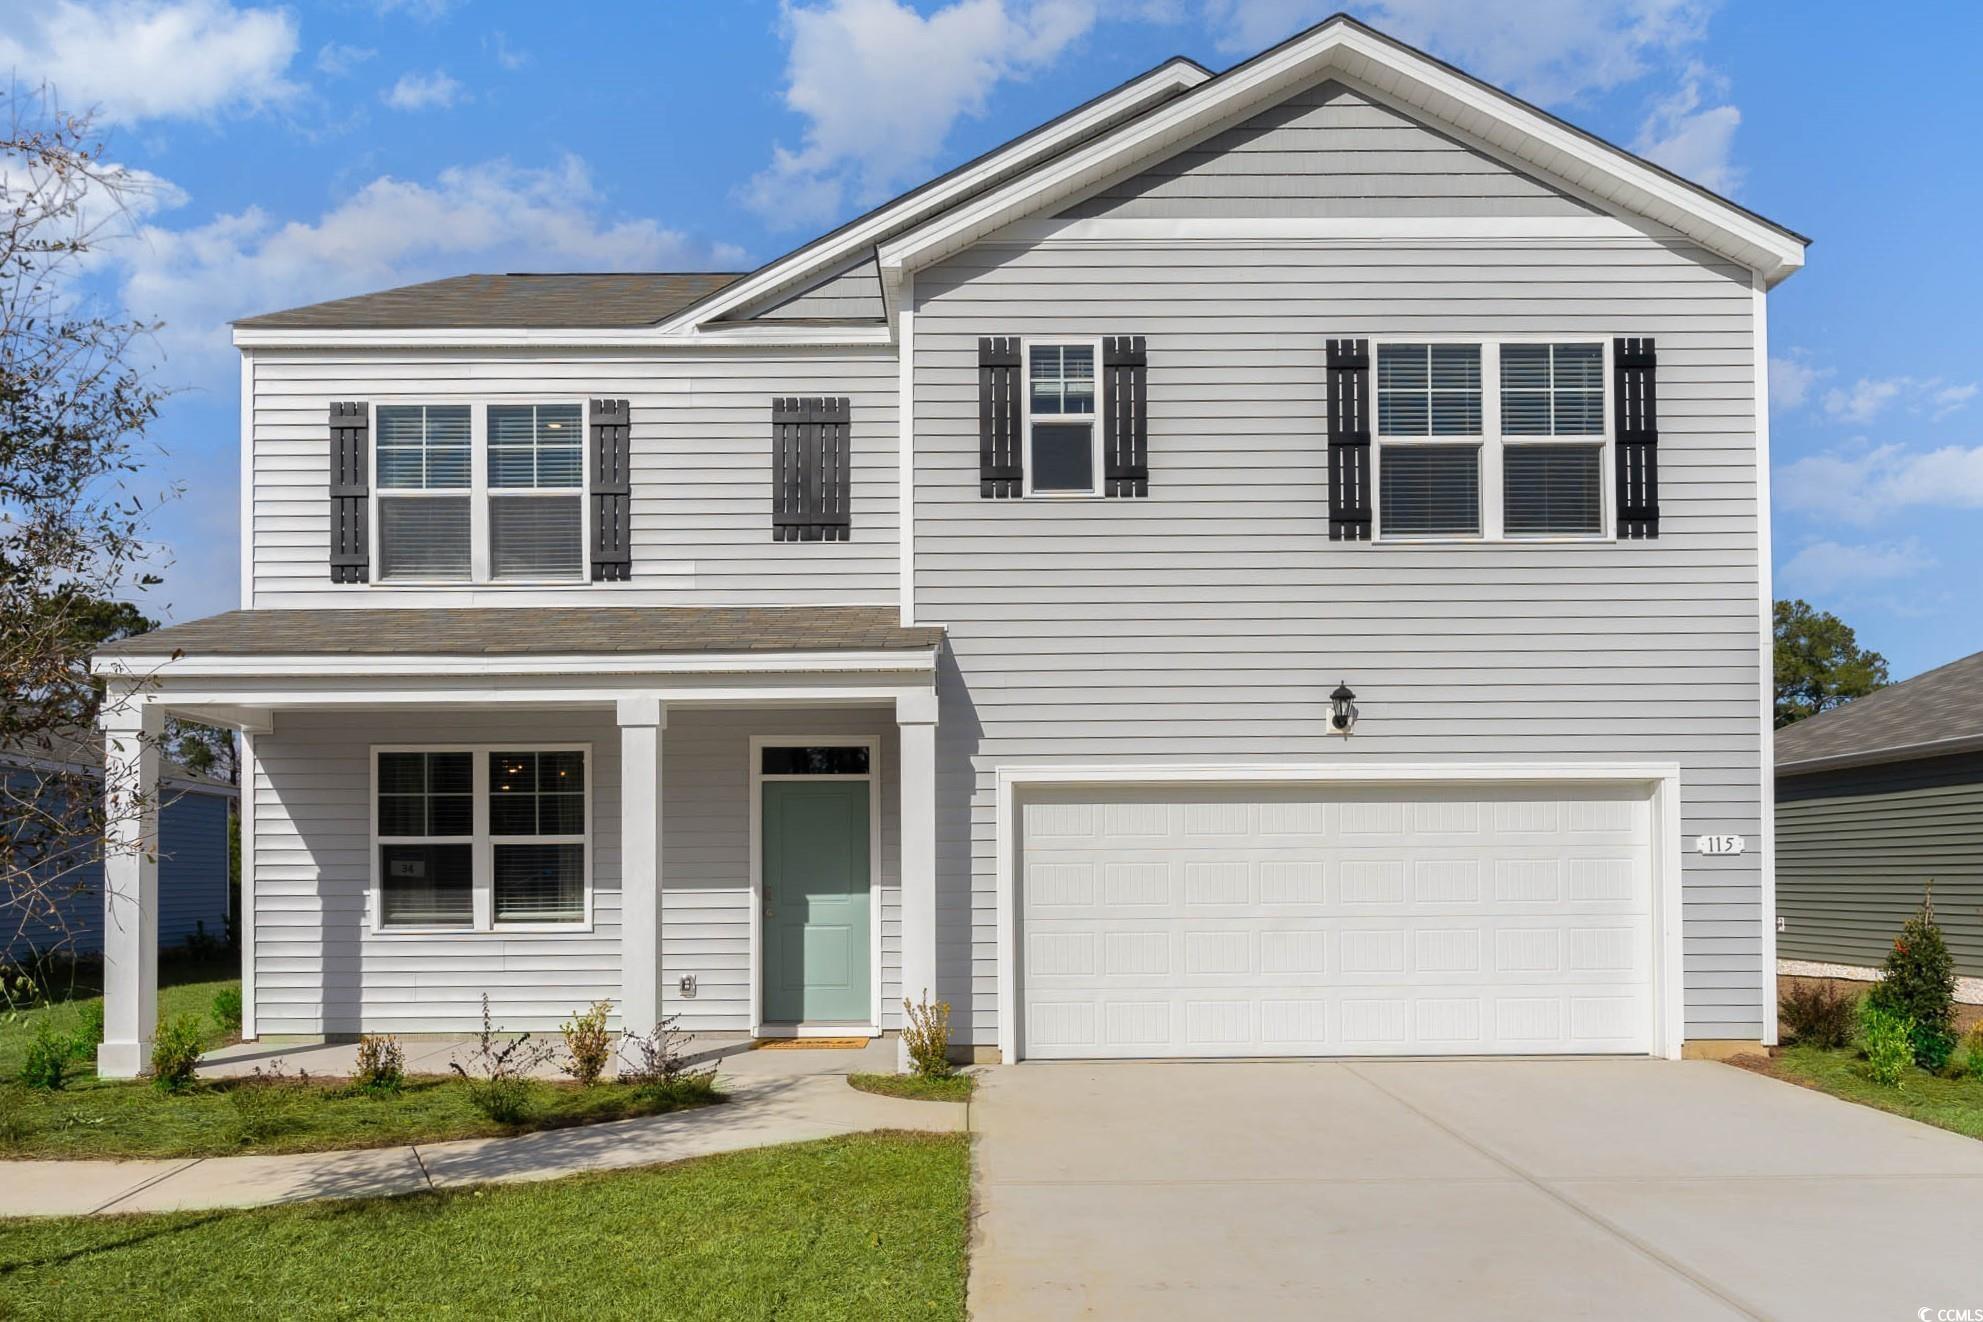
(953, 605)
(1876, 799)
(193, 893)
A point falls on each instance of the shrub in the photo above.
(1918, 984)
(1888, 1043)
(1818, 1014)
(381, 1064)
(498, 1072)
(202, 944)
(175, 1053)
(268, 1102)
(227, 1011)
(1973, 1047)
(926, 1033)
(46, 1061)
(655, 1063)
(89, 1033)
(588, 1046)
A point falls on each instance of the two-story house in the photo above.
(1272, 563)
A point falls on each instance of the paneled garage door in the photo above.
(1263, 921)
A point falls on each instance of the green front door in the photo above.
(818, 964)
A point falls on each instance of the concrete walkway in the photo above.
(775, 1097)
(1611, 1190)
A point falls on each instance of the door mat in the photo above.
(812, 1043)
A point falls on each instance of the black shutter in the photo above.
(610, 425)
(809, 455)
(1633, 367)
(1001, 472)
(1125, 417)
(1349, 440)
(350, 492)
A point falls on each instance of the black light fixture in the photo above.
(1342, 710)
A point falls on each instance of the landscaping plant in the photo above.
(655, 1064)
(227, 1011)
(1888, 1042)
(1918, 984)
(1973, 1049)
(1818, 1014)
(498, 1076)
(926, 1033)
(89, 1032)
(588, 1046)
(175, 1053)
(381, 1065)
(46, 1061)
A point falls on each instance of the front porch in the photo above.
(547, 826)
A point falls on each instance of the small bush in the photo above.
(498, 1073)
(1918, 984)
(175, 1053)
(227, 1011)
(926, 1032)
(268, 1102)
(1888, 1042)
(1973, 1051)
(381, 1065)
(1818, 1014)
(656, 1064)
(45, 1064)
(588, 1046)
(89, 1033)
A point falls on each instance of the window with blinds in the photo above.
(1552, 490)
(425, 528)
(537, 821)
(426, 830)
(536, 456)
(1429, 491)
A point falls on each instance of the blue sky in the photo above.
(301, 152)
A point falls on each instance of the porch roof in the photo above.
(532, 631)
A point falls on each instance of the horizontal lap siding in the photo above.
(1856, 849)
(1209, 621)
(192, 867)
(853, 294)
(701, 469)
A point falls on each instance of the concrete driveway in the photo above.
(1490, 1189)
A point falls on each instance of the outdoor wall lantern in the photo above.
(1342, 710)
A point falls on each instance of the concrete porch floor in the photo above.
(734, 1055)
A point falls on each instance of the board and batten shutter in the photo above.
(809, 482)
(1348, 370)
(1001, 472)
(1633, 369)
(1125, 416)
(610, 424)
(350, 492)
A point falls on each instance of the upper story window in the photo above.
(1493, 440)
(1063, 446)
(480, 493)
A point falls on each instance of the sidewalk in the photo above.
(775, 1097)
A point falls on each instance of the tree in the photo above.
(73, 410)
(1819, 663)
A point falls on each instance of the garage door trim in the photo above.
(1663, 779)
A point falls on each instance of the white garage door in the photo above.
(1265, 921)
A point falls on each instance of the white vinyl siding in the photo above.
(852, 293)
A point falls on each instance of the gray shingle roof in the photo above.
(1939, 712)
(534, 631)
(606, 300)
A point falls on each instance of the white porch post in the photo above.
(915, 717)
(132, 729)
(641, 722)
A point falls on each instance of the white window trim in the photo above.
(1492, 444)
(478, 492)
(481, 842)
(1026, 346)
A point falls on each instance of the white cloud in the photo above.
(153, 59)
(495, 216)
(426, 11)
(1864, 486)
(335, 59)
(1792, 378)
(1950, 398)
(881, 86)
(1832, 565)
(508, 56)
(1868, 397)
(423, 91)
(1690, 136)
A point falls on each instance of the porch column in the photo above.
(641, 722)
(915, 717)
(132, 730)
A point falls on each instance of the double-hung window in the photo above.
(482, 838)
(1063, 443)
(1491, 440)
(481, 493)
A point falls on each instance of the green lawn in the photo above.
(956, 1088)
(185, 986)
(1948, 1103)
(869, 1226)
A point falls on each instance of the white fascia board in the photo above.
(1446, 97)
(1326, 773)
(1173, 75)
(908, 661)
(751, 335)
(1283, 230)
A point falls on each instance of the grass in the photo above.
(871, 1225)
(955, 1088)
(185, 986)
(1946, 1103)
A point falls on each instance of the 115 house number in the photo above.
(1719, 844)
